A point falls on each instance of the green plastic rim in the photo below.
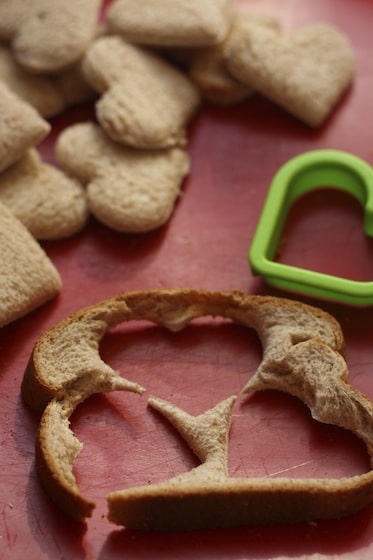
(304, 173)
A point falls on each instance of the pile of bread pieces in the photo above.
(147, 67)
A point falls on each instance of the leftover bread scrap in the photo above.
(301, 355)
(305, 73)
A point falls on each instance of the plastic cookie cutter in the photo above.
(310, 171)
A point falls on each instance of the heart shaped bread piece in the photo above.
(128, 190)
(301, 347)
(208, 68)
(183, 23)
(145, 102)
(306, 73)
(27, 276)
(50, 204)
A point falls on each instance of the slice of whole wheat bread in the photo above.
(301, 355)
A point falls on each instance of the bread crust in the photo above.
(173, 309)
(63, 492)
(305, 73)
(145, 102)
(300, 344)
(238, 502)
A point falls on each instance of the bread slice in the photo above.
(28, 277)
(57, 362)
(128, 190)
(301, 355)
(305, 73)
(145, 101)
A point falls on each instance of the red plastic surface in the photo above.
(235, 153)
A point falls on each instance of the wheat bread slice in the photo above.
(306, 72)
(207, 497)
(301, 345)
(28, 277)
(127, 190)
(57, 362)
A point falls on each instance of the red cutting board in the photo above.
(235, 153)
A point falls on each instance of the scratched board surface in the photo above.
(235, 153)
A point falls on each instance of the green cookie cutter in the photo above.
(306, 172)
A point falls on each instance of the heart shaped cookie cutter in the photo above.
(306, 172)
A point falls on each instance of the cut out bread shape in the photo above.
(206, 497)
(145, 101)
(40, 91)
(318, 377)
(47, 37)
(50, 204)
(128, 190)
(305, 73)
(208, 69)
(21, 127)
(183, 23)
(300, 344)
(28, 277)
